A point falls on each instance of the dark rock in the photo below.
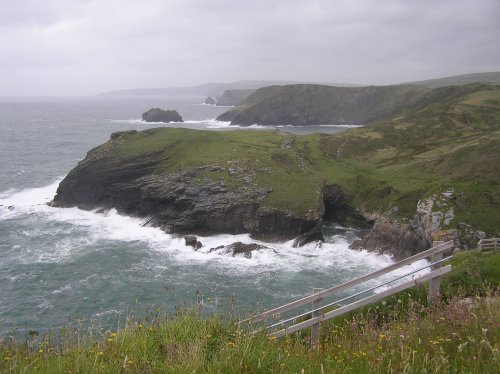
(240, 248)
(192, 241)
(122, 133)
(393, 238)
(184, 200)
(181, 202)
(216, 248)
(160, 115)
(11, 207)
(313, 235)
(210, 100)
(339, 208)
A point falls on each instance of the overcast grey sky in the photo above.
(85, 47)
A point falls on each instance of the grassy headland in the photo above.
(447, 141)
(399, 334)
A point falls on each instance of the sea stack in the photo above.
(210, 100)
(160, 115)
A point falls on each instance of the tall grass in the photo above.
(402, 334)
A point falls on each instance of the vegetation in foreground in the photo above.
(402, 334)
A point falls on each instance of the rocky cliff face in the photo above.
(234, 97)
(393, 238)
(442, 151)
(186, 201)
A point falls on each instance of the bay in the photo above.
(59, 265)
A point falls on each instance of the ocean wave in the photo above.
(110, 225)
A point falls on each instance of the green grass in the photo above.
(399, 334)
(448, 140)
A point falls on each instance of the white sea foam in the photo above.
(330, 258)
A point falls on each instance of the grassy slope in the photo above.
(490, 77)
(450, 140)
(304, 104)
(398, 334)
(449, 144)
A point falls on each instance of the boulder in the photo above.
(160, 115)
(390, 237)
(313, 235)
(239, 248)
(192, 241)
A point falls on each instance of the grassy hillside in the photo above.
(399, 334)
(490, 77)
(449, 141)
(308, 104)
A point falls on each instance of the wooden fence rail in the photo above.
(487, 244)
(318, 315)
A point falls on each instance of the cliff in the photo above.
(308, 104)
(234, 97)
(428, 169)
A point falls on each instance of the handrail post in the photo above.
(315, 328)
(435, 283)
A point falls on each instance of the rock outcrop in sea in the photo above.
(210, 100)
(160, 115)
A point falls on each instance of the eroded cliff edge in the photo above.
(163, 175)
(425, 173)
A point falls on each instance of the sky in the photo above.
(83, 47)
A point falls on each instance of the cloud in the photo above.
(71, 46)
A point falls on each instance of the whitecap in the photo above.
(330, 257)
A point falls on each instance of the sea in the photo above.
(61, 265)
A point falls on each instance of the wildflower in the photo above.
(381, 336)
(399, 301)
(110, 340)
(40, 351)
(442, 318)
(384, 303)
(140, 325)
(100, 353)
(113, 334)
(484, 330)
(130, 362)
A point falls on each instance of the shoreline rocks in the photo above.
(240, 248)
(393, 238)
(192, 241)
